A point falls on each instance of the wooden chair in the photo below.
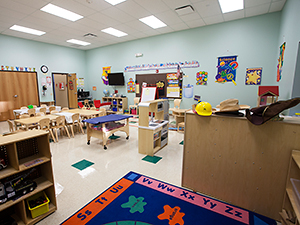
(176, 104)
(54, 111)
(23, 116)
(40, 114)
(34, 106)
(64, 109)
(75, 122)
(136, 101)
(103, 112)
(44, 124)
(24, 107)
(59, 124)
(12, 127)
(43, 110)
(51, 108)
(180, 125)
(31, 112)
(86, 103)
(43, 105)
(83, 107)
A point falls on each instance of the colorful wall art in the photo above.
(280, 62)
(131, 86)
(160, 66)
(227, 66)
(201, 78)
(253, 76)
(104, 77)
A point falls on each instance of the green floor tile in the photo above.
(81, 165)
(181, 143)
(114, 137)
(152, 159)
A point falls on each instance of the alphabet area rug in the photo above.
(140, 200)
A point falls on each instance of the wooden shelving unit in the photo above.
(27, 150)
(118, 103)
(153, 134)
(291, 203)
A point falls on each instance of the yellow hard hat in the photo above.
(203, 109)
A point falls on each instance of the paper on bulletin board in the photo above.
(173, 92)
(137, 88)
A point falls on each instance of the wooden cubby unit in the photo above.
(117, 102)
(27, 150)
(153, 135)
(291, 201)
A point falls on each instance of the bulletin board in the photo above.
(148, 94)
(153, 79)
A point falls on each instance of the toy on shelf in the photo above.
(267, 95)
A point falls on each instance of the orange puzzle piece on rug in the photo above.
(172, 214)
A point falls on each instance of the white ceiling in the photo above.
(98, 15)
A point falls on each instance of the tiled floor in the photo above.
(121, 156)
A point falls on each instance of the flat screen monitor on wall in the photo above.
(116, 79)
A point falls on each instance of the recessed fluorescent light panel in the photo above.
(115, 2)
(27, 30)
(74, 41)
(63, 13)
(115, 32)
(153, 22)
(231, 5)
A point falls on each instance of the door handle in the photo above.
(15, 96)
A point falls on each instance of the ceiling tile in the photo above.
(253, 3)
(190, 17)
(95, 5)
(153, 6)
(276, 6)
(208, 8)
(51, 18)
(234, 15)
(35, 4)
(195, 23)
(107, 21)
(138, 25)
(258, 10)
(118, 15)
(133, 9)
(169, 17)
(173, 4)
(213, 19)
(15, 6)
(91, 23)
(179, 26)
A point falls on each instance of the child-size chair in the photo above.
(134, 108)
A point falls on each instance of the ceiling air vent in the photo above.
(183, 10)
(90, 36)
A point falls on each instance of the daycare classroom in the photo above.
(139, 112)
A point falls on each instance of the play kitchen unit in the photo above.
(153, 133)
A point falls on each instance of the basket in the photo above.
(40, 209)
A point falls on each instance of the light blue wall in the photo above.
(27, 53)
(254, 40)
(290, 33)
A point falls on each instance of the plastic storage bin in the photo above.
(39, 209)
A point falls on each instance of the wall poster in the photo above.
(105, 71)
(253, 76)
(280, 62)
(227, 66)
(131, 86)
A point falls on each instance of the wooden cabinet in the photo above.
(24, 151)
(118, 104)
(153, 133)
(17, 89)
(290, 213)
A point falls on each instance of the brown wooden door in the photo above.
(17, 89)
(72, 91)
(60, 88)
